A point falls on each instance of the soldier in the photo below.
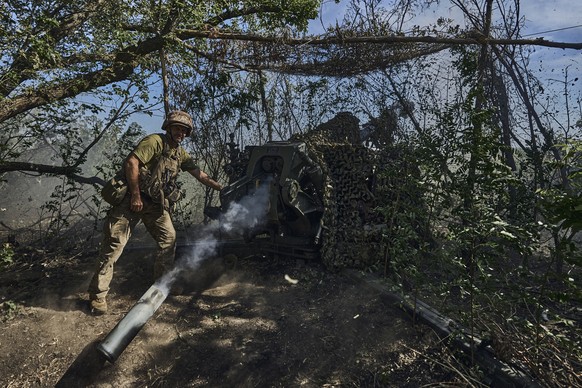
(149, 175)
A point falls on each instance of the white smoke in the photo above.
(240, 216)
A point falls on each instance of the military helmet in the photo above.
(178, 117)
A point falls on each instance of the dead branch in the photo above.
(68, 171)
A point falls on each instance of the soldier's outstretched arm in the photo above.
(206, 180)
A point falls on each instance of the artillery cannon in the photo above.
(303, 195)
(293, 223)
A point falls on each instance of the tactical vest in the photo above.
(159, 182)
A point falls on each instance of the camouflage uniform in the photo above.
(121, 220)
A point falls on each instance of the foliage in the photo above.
(408, 232)
(563, 206)
(475, 272)
(62, 49)
(9, 309)
(6, 255)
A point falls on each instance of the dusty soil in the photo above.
(240, 324)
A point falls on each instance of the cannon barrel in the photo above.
(126, 329)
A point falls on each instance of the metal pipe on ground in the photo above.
(499, 373)
(126, 329)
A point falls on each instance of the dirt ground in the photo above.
(256, 322)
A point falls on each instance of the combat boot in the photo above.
(98, 306)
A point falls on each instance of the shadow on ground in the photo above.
(254, 322)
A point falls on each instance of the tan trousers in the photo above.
(117, 230)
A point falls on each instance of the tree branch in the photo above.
(123, 66)
(68, 171)
(186, 34)
(22, 66)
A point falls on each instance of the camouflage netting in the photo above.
(353, 228)
(335, 54)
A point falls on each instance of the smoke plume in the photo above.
(240, 216)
